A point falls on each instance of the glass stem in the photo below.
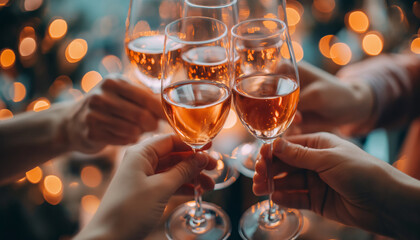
(198, 219)
(273, 215)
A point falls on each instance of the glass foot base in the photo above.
(214, 225)
(253, 225)
(246, 158)
(223, 175)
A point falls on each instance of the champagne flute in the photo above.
(246, 154)
(196, 107)
(145, 26)
(227, 12)
(265, 97)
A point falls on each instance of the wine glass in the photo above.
(145, 26)
(196, 107)
(265, 97)
(247, 153)
(227, 12)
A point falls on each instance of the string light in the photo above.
(5, 114)
(91, 176)
(340, 53)
(415, 45)
(76, 50)
(34, 175)
(372, 44)
(27, 46)
(57, 28)
(18, 91)
(358, 21)
(90, 80)
(325, 45)
(7, 58)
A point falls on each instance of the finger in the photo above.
(310, 98)
(292, 199)
(139, 96)
(186, 189)
(307, 73)
(111, 104)
(104, 136)
(174, 158)
(206, 182)
(299, 155)
(184, 171)
(294, 181)
(97, 120)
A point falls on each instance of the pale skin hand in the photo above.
(339, 181)
(150, 173)
(326, 102)
(115, 113)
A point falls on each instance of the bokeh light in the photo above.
(3, 2)
(90, 80)
(358, 21)
(7, 58)
(31, 5)
(40, 105)
(112, 63)
(372, 44)
(34, 175)
(76, 50)
(5, 114)
(27, 46)
(57, 28)
(90, 203)
(297, 48)
(324, 6)
(325, 45)
(91, 176)
(415, 45)
(293, 16)
(17, 91)
(340, 53)
(53, 185)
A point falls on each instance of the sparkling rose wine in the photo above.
(145, 53)
(196, 110)
(266, 104)
(209, 62)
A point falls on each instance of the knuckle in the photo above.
(109, 83)
(94, 100)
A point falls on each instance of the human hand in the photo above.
(150, 173)
(327, 103)
(116, 112)
(337, 180)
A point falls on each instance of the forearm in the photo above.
(30, 139)
(394, 81)
(402, 209)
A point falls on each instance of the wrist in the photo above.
(401, 207)
(364, 99)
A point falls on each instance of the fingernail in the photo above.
(279, 145)
(201, 160)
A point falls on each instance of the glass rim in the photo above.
(188, 2)
(178, 40)
(278, 32)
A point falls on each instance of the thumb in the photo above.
(186, 170)
(296, 155)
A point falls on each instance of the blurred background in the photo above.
(53, 51)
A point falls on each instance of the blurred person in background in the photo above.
(380, 92)
(115, 113)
